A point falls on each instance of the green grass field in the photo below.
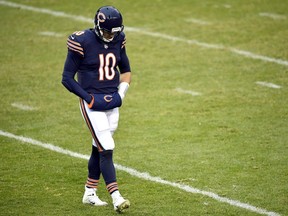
(230, 140)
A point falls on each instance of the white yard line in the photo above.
(267, 84)
(23, 107)
(46, 11)
(143, 175)
(149, 33)
(273, 16)
(193, 93)
(198, 21)
(51, 34)
(224, 5)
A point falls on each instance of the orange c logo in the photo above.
(101, 17)
(108, 98)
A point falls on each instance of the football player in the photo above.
(98, 57)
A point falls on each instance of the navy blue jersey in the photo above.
(98, 64)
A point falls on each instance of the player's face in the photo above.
(108, 35)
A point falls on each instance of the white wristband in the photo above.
(122, 89)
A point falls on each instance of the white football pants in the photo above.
(102, 125)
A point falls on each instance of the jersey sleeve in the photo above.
(74, 43)
(124, 65)
(73, 60)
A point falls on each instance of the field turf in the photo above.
(207, 109)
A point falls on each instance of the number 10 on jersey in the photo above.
(107, 65)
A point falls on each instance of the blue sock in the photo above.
(94, 170)
(108, 170)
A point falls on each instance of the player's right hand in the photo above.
(90, 105)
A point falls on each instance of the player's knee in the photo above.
(106, 140)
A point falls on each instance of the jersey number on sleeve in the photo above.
(106, 68)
